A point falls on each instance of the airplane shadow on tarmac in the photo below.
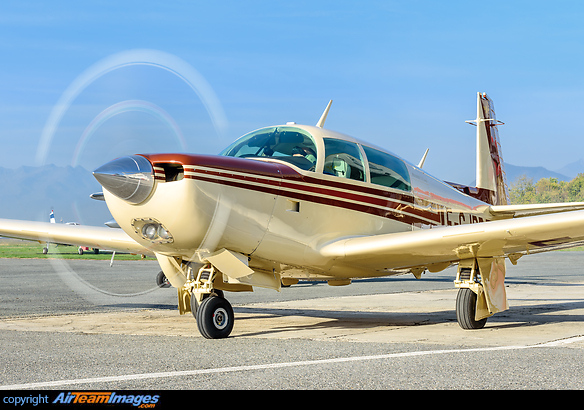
(337, 319)
(516, 316)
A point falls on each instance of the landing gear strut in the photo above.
(213, 313)
(481, 293)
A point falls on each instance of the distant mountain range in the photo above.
(566, 173)
(513, 172)
(30, 193)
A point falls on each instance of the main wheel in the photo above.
(215, 317)
(466, 303)
(162, 281)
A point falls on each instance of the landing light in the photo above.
(152, 230)
(149, 231)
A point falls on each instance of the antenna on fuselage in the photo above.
(421, 163)
(320, 122)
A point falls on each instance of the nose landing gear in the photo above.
(215, 317)
(213, 313)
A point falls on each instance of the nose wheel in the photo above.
(215, 317)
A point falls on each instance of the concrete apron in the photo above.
(537, 314)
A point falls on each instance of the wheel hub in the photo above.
(220, 318)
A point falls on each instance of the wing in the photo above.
(445, 245)
(90, 236)
(515, 211)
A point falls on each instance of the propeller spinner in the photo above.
(129, 178)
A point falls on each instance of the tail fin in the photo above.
(490, 173)
(52, 217)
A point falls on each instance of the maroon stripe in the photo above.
(238, 177)
(269, 169)
(339, 203)
(303, 179)
(296, 185)
(371, 190)
(273, 191)
(326, 191)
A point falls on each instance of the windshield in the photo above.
(288, 144)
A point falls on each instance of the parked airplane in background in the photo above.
(51, 220)
(80, 249)
(292, 202)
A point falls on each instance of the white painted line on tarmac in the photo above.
(160, 375)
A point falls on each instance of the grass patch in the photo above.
(575, 248)
(15, 248)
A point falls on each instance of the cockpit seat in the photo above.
(337, 166)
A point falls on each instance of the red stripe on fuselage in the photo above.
(336, 202)
(278, 179)
(324, 188)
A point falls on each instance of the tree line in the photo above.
(546, 190)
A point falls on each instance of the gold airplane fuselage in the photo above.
(278, 214)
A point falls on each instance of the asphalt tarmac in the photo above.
(83, 325)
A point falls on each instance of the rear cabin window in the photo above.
(343, 159)
(387, 170)
(289, 144)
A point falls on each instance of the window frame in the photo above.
(395, 159)
(362, 158)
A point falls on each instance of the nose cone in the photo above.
(129, 178)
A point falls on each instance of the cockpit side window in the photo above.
(387, 170)
(343, 159)
(289, 144)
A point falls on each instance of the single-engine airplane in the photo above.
(292, 202)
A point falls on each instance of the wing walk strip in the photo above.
(197, 372)
(386, 204)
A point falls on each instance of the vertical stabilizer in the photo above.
(490, 174)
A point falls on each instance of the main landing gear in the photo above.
(481, 291)
(466, 302)
(468, 282)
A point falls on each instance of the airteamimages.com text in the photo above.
(81, 398)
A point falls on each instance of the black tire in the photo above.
(466, 302)
(215, 318)
(162, 281)
(195, 303)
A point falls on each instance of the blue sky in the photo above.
(402, 74)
